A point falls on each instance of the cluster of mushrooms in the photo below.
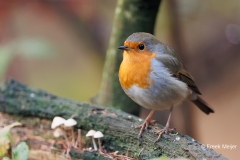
(98, 135)
(63, 127)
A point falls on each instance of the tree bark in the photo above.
(130, 16)
(117, 126)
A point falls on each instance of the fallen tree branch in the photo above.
(118, 127)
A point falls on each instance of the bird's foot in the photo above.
(166, 129)
(145, 125)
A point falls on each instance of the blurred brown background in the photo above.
(59, 46)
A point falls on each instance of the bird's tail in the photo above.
(201, 104)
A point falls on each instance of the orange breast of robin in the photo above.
(135, 69)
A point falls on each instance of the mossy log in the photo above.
(117, 126)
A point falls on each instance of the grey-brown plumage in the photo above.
(172, 61)
(202, 105)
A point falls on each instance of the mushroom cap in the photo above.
(70, 122)
(90, 133)
(98, 134)
(57, 121)
(58, 132)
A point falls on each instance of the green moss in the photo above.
(119, 135)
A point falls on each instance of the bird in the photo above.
(152, 75)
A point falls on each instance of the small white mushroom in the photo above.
(99, 135)
(91, 133)
(57, 121)
(69, 123)
(61, 133)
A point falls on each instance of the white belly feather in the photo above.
(166, 91)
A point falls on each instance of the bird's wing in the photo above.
(171, 63)
(184, 76)
(175, 67)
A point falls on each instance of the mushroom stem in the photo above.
(66, 139)
(94, 144)
(100, 145)
(79, 140)
(73, 138)
(67, 153)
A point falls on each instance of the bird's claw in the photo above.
(145, 126)
(166, 129)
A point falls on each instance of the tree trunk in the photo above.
(130, 16)
(117, 126)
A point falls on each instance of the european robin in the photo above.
(153, 76)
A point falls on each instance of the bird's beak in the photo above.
(124, 47)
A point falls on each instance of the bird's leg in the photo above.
(166, 129)
(145, 124)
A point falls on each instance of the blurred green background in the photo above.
(59, 46)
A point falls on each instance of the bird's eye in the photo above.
(141, 46)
